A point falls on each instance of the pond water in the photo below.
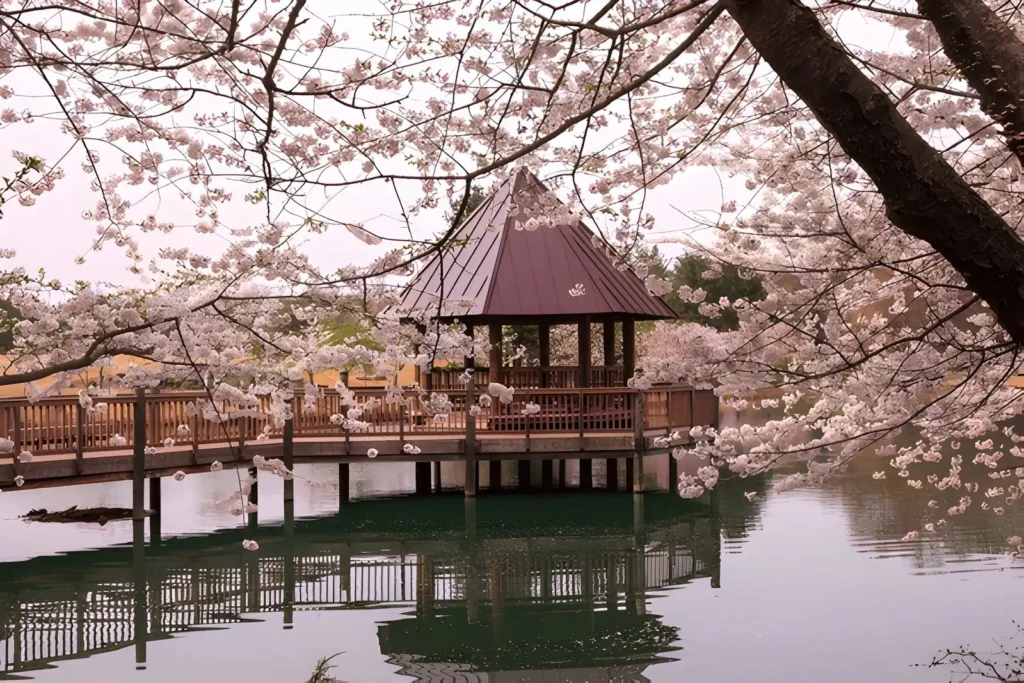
(808, 585)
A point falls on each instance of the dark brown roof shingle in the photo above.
(495, 270)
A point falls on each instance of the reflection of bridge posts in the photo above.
(288, 608)
(497, 612)
(140, 625)
(611, 595)
(424, 586)
(639, 555)
(80, 592)
(155, 507)
(472, 578)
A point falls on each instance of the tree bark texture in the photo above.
(924, 196)
(989, 55)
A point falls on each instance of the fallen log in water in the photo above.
(98, 515)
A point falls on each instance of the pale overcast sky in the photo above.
(53, 233)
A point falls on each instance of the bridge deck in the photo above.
(69, 444)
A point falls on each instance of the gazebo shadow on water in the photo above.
(539, 588)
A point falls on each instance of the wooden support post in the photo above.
(422, 478)
(254, 492)
(435, 476)
(194, 430)
(693, 398)
(611, 468)
(547, 475)
(343, 483)
(673, 472)
(401, 419)
(609, 350)
(638, 446)
(628, 350)
(494, 477)
(155, 507)
(583, 353)
(139, 457)
(561, 474)
(18, 443)
(288, 456)
(495, 370)
(79, 438)
(154, 496)
(544, 337)
(471, 476)
(629, 476)
(524, 475)
(241, 440)
(586, 474)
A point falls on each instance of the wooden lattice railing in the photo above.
(60, 425)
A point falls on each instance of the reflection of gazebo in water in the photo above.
(505, 589)
(498, 273)
(562, 645)
(566, 609)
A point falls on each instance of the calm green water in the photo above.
(805, 586)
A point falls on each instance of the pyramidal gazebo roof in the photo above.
(496, 269)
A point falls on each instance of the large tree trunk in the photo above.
(923, 195)
(989, 55)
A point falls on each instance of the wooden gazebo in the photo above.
(499, 273)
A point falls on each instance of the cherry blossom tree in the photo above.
(880, 210)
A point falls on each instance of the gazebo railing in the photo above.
(530, 377)
(59, 425)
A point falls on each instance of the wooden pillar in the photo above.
(544, 336)
(139, 457)
(344, 480)
(629, 476)
(561, 474)
(422, 477)
(495, 475)
(639, 446)
(471, 476)
(673, 473)
(586, 474)
(154, 495)
(288, 455)
(496, 375)
(611, 466)
(628, 349)
(524, 475)
(470, 361)
(427, 377)
(154, 506)
(609, 350)
(583, 334)
(547, 475)
(79, 438)
(254, 491)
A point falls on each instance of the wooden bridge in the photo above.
(466, 566)
(71, 445)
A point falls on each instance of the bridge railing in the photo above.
(60, 425)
